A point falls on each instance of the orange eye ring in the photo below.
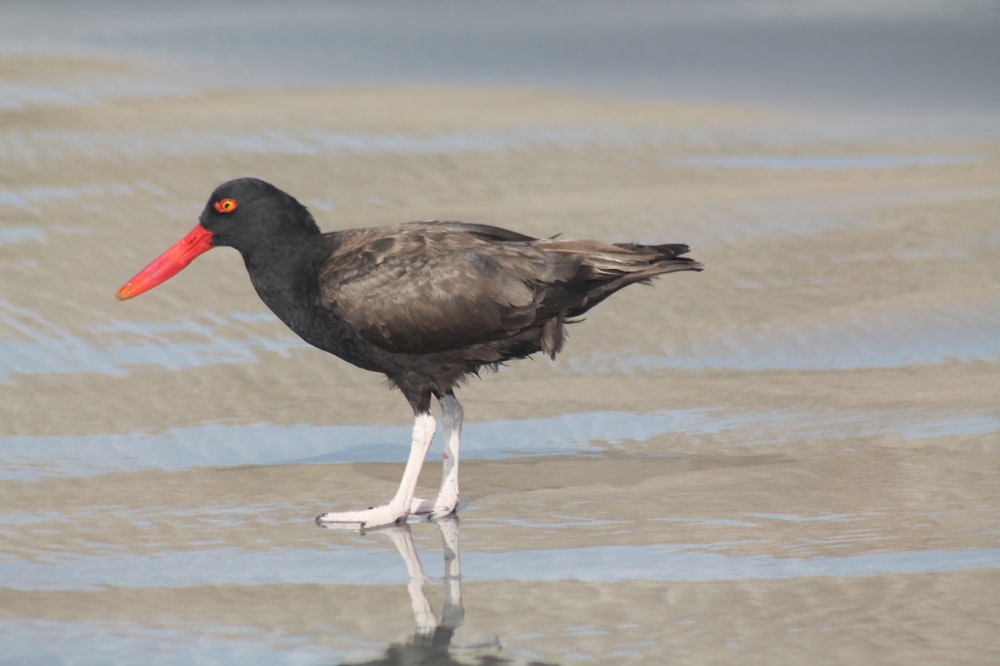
(226, 205)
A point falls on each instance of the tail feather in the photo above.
(643, 274)
(668, 252)
(603, 268)
(606, 259)
(579, 274)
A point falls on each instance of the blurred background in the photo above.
(789, 458)
(885, 56)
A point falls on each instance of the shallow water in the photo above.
(789, 458)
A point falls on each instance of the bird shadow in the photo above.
(431, 644)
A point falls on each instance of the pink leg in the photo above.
(399, 507)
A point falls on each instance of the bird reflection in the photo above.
(431, 643)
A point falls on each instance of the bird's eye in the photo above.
(226, 205)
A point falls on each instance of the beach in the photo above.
(791, 457)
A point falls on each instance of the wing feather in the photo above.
(438, 286)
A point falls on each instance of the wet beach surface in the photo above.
(792, 457)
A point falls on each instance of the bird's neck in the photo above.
(284, 274)
(287, 280)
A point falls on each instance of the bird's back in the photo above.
(431, 287)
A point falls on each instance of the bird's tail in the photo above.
(633, 264)
(582, 273)
(664, 258)
(604, 268)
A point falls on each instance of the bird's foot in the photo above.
(376, 516)
(439, 507)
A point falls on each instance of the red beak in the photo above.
(168, 264)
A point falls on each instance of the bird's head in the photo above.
(244, 213)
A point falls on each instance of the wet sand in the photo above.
(789, 458)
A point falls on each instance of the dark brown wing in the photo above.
(425, 287)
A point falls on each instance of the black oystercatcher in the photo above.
(425, 303)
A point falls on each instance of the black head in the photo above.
(246, 212)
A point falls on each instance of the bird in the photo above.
(428, 304)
